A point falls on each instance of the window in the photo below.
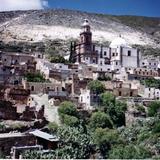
(87, 39)
(81, 39)
(120, 93)
(113, 54)
(93, 47)
(129, 53)
(116, 63)
(131, 94)
(32, 88)
(105, 53)
(116, 54)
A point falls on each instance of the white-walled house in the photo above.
(47, 68)
(85, 99)
(150, 63)
(150, 92)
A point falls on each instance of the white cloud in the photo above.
(10, 5)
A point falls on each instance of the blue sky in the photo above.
(117, 7)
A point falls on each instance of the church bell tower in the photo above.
(86, 35)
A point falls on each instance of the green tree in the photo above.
(70, 120)
(68, 113)
(96, 87)
(68, 108)
(35, 77)
(153, 108)
(104, 139)
(107, 99)
(114, 108)
(129, 152)
(75, 144)
(100, 120)
(57, 59)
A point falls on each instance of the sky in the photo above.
(116, 7)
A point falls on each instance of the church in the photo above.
(119, 54)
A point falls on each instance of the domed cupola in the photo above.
(119, 42)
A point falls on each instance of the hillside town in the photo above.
(33, 87)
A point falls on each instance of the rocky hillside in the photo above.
(43, 25)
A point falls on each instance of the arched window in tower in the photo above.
(81, 39)
(87, 39)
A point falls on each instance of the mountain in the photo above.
(39, 26)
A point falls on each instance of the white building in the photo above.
(150, 63)
(46, 67)
(151, 93)
(85, 99)
(122, 55)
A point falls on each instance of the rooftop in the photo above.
(12, 135)
(44, 135)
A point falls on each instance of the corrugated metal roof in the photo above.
(44, 135)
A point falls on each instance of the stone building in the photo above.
(141, 73)
(39, 87)
(7, 111)
(13, 59)
(123, 89)
(17, 95)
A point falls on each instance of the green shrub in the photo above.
(153, 108)
(35, 77)
(100, 120)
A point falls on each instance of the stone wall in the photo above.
(7, 111)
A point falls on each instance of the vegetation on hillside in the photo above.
(97, 138)
(155, 83)
(103, 133)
